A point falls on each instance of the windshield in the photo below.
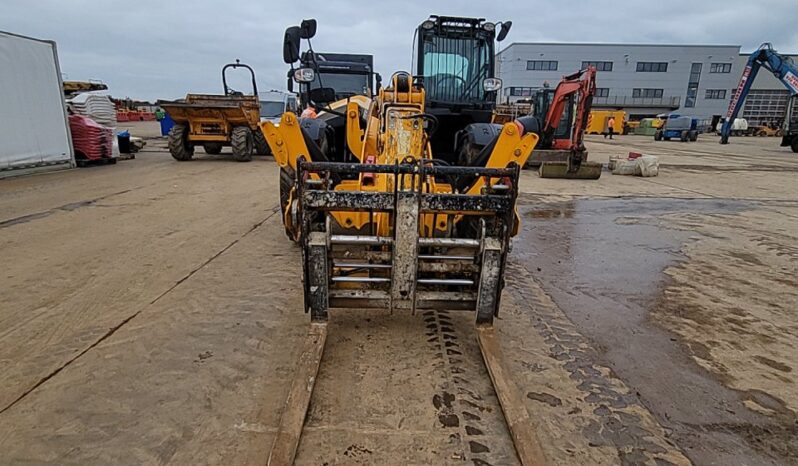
(345, 84)
(454, 68)
(271, 109)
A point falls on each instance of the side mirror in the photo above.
(307, 28)
(322, 95)
(506, 25)
(291, 45)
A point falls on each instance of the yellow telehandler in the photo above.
(406, 201)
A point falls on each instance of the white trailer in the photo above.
(34, 129)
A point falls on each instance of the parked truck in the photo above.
(684, 128)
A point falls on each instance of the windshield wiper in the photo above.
(476, 79)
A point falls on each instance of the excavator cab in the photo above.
(541, 102)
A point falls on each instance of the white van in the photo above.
(274, 103)
(739, 127)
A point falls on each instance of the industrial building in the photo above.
(645, 80)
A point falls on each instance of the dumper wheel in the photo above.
(243, 143)
(261, 146)
(286, 184)
(658, 136)
(685, 136)
(178, 143)
(212, 148)
(693, 136)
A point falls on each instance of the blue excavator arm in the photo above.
(765, 57)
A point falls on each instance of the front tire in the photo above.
(658, 136)
(179, 147)
(243, 143)
(261, 146)
(287, 179)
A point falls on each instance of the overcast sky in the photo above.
(148, 49)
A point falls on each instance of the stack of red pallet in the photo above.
(91, 140)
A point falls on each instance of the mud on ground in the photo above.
(647, 321)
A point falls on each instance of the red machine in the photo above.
(575, 91)
(563, 113)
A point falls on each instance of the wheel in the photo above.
(178, 143)
(684, 136)
(794, 145)
(212, 147)
(693, 136)
(261, 146)
(658, 135)
(286, 184)
(243, 143)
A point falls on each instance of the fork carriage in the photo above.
(418, 265)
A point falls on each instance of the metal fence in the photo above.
(672, 102)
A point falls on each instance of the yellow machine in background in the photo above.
(597, 121)
(214, 121)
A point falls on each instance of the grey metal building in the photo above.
(644, 80)
(767, 101)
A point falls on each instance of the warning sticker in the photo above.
(792, 81)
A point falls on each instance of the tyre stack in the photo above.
(99, 108)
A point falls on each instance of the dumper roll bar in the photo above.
(238, 64)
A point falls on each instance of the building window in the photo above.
(602, 92)
(520, 91)
(652, 67)
(716, 94)
(600, 65)
(692, 85)
(541, 65)
(720, 68)
(647, 93)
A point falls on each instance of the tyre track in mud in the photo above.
(467, 410)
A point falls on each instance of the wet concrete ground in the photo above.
(647, 321)
(603, 262)
(606, 272)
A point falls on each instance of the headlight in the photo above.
(428, 24)
(492, 84)
(490, 27)
(304, 75)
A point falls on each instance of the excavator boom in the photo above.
(783, 69)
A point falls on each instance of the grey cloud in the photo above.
(154, 49)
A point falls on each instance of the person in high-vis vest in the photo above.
(610, 127)
(309, 112)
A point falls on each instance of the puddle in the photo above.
(602, 262)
